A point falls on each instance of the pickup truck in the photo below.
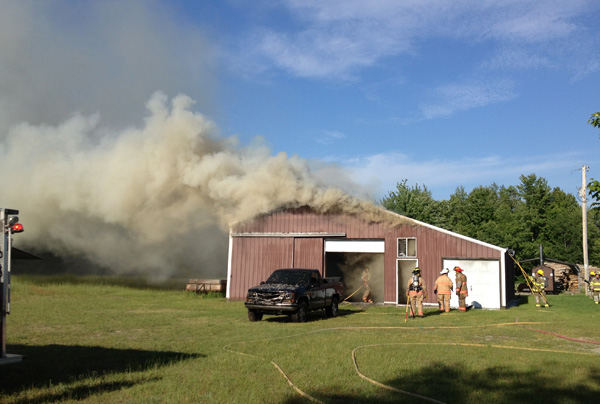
(294, 292)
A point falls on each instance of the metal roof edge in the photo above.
(417, 222)
(473, 240)
(281, 234)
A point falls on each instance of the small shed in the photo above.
(342, 244)
(549, 274)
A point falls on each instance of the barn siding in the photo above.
(254, 258)
(308, 253)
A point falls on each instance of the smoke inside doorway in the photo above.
(350, 266)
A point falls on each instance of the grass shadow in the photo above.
(132, 282)
(46, 365)
(493, 385)
(315, 315)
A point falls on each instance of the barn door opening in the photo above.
(350, 266)
(348, 259)
(404, 268)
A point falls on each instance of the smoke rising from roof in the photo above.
(153, 198)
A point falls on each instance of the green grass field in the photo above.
(94, 342)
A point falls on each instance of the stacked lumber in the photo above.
(206, 285)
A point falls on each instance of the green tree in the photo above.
(509, 230)
(562, 235)
(414, 202)
(594, 236)
(455, 212)
(535, 192)
(521, 217)
(595, 120)
(481, 205)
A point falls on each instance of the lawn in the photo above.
(96, 342)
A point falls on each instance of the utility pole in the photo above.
(583, 194)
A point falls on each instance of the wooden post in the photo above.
(583, 194)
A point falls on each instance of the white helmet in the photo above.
(444, 271)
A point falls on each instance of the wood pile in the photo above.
(566, 277)
(206, 285)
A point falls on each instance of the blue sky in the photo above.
(440, 93)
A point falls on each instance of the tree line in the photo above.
(520, 217)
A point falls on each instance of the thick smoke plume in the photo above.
(151, 199)
(158, 198)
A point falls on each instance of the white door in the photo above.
(483, 281)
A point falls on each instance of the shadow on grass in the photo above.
(455, 385)
(519, 300)
(312, 316)
(132, 282)
(50, 365)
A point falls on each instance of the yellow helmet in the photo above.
(592, 273)
(540, 272)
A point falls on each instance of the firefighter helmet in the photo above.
(592, 273)
(540, 272)
(444, 271)
(416, 270)
(458, 269)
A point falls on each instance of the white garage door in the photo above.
(356, 246)
(483, 280)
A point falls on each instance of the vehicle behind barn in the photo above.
(294, 292)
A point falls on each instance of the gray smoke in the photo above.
(157, 197)
(151, 199)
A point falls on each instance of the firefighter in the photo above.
(366, 278)
(461, 288)
(443, 288)
(416, 291)
(595, 286)
(540, 282)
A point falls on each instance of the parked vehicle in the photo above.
(294, 292)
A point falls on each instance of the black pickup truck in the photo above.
(294, 292)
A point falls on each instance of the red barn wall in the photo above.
(295, 238)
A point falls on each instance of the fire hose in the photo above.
(353, 293)
(530, 282)
(381, 385)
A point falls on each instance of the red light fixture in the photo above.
(16, 228)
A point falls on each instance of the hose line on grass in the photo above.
(558, 335)
(303, 394)
(443, 344)
(381, 385)
(384, 386)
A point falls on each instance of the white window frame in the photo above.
(406, 241)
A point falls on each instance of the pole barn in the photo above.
(343, 244)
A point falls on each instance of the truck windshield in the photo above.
(290, 277)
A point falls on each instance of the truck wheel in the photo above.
(332, 310)
(254, 316)
(300, 315)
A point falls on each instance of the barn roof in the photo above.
(372, 213)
